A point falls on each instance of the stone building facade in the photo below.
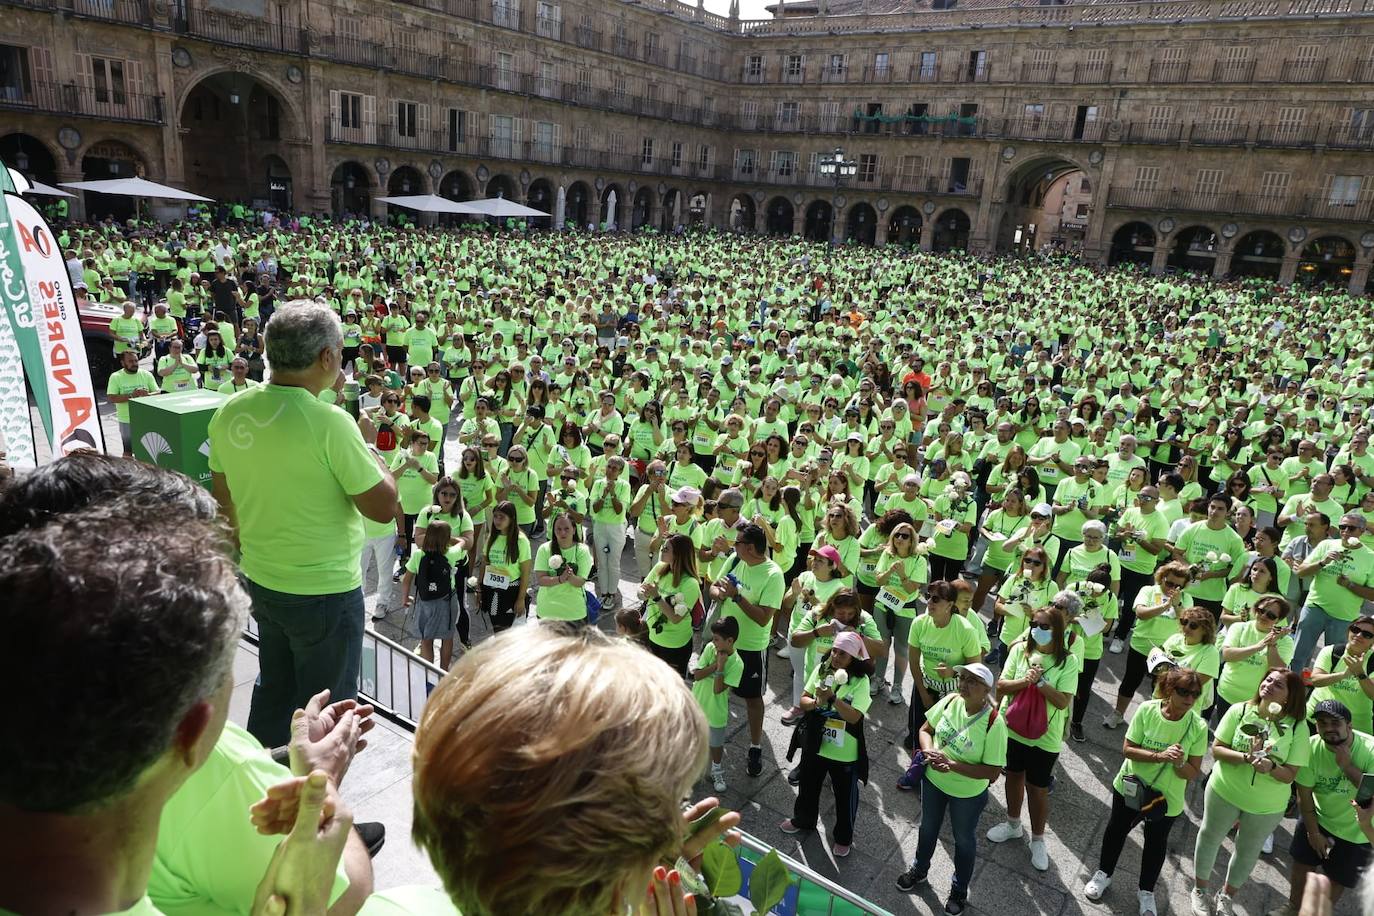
(1227, 136)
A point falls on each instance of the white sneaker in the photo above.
(1147, 903)
(1006, 831)
(1224, 907)
(1116, 647)
(1040, 856)
(784, 652)
(1268, 848)
(1200, 902)
(380, 612)
(718, 779)
(1113, 720)
(895, 697)
(1097, 886)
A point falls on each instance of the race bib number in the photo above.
(1126, 554)
(868, 569)
(833, 732)
(890, 599)
(494, 579)
(939, 685)
(702, 439)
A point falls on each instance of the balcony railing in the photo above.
(1091, 73)
(133, 12)
(1169, 71)
(1038, 73)
(84, 101)
(1234, 71)
(1303, 71)
(548, 27)
(584, 37)
(352, 50)
(1241, 204)
(242, 31)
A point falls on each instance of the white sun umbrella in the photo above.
(133, 187)
(39, 189)
(560, 208)
(428, 203)
(502, 208)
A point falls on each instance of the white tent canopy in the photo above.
(429, 203)
(499, 206)
(40, 189)
(133, 187)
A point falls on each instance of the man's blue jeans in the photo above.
(305, 644)
(1313, 623)
(963, 823)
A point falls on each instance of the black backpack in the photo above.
(434, 581)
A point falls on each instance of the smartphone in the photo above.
(1366, 790)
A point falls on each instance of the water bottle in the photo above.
(350, 396)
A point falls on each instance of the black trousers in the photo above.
(1131, 584)
(1156, 844)
(844, 782)
(1085, 688)
(499, 605)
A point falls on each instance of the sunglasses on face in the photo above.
(1033, 562)
(902, 536)
(1362, 633)
(756, 454)
(1188, 694)
(1192, 625)
(1350, 527)
(1271, 615)
(1175, 584)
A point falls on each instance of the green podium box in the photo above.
(172, 431)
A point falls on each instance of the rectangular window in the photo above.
(505, 13)
(548, 79)
(1081, 212)
(582, 137)
(882, 62)
(912, 167)
(1362, 123)
(1146, 178)
(502, 136)
(749, 114)
(1207, 185)
(746, 161)
(835, 65)
(794, 65)
(15, 82)
(407, 120)
(784, 163)
(1223, 117)
(829, 117)
(868, 168)
(548, 19)
(1033, 114)
(1161, 117)
(646, 151)
(703, 158)
(1343, 190)
(788, 116)
(650, 43)
(1274, 184)
(977, 65)
(348, 27)
(616, 143)
(1291, 122)
(753, 67)
(107, 81)
(620, 86)
(677, 154)
(505, 70)
(350, 110)
(929, 60)
(457, 129)
(546, 141)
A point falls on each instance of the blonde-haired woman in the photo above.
(488, 727)
(670, 592)
(840, 529)
(902, 570)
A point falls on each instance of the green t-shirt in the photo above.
(619, 491)
(1347, 690)
(836, 741)
(1202, 657)
(1332, 792)
(715, 705)
(1147, 634)
(893, 595)
(760, 584)
(302, 539)
(209, 857)
(662, 631)
(1339, 602)
(953, 644)
(567, 601)
(1002, 525)
(1152, 527)
(1150, 730)
(1198, 541)
(1062, 676)
(1241, 677)
(982, 742)
(1286, 741)
(867, 628)
(414, 490)
(496, 557)
(124, 383)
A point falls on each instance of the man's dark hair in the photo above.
(115, 629)
(753, 536)
(421, 401)
(727, 627)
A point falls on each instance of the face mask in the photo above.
(1041, 635)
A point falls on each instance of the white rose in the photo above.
(841, 678)
(555, 562)
(472, 581)
(1211, 556)
(1224, 558)
(1274, 708)
(436, 510)
(1096, 588)
(923, 548)
(1352, 543)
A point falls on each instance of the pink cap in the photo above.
(850, 643)
(829, 553)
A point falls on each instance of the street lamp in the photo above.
(835, 167)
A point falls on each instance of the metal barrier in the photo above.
(391, 678)
(811, 894)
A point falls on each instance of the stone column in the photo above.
(1223, 262)
(1289, 270)
(880, 233)
(1161, 257)
(837, 225)
(1359, 277)
(798, 221)
(927, 233)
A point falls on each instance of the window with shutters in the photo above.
(868, 168)
(753, 68)
(1095, 62)
(582, 137)
(788, 116)
(457, 129)
(708, 109)
(505, 13)
(1290, 123)
(746, 162)
(1032, 115)
(353, 117)
(977, 65)
(620, 87)
(793, 67)
(1208, 181)
(1304, 65)
(1235, 63)
(548, 79)
(505, 70)
(107, 82)
(651, 43)
(882, 63)
(616, 143)
(548, 19)
(1222, 118)
(584, 81)
(405, 38)
(748, 114)
(503, 137)
(1343, 190)
(16, 81)
(1361, 123)
(912, 167)
(835, 65)
(675, 151)
(703, 158)
(546, 141)
(652, 91)
(1146, 178)
(928, 64)
(348, 28)
(1169, 65)
(1161, 116)
(829, 116)
(407, 121)
(783, 163)
(646, 152)
(1274, 184)
(1042, 63)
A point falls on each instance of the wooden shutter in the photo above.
(369, 119)
(44, 79)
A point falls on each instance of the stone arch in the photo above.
(277, 173)
(861, 224)
(904, 226)
(577, 201)
(781, 216)
(501, 185)
(819, 222)
(32, 156)
(350, 188)
(1132, 243)
(742, 213)
(108, 159)
(1194, 248)
(271, 82)
(674, 209)
(696, 207)
(407, 180)
(226, 120)
(1327, 259)
(136, 151)
(951, 230)
(541, 195)
(456, 185)
(1035, 192)
(1258, 253)
(642, 208)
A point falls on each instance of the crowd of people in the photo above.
(989, 475)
